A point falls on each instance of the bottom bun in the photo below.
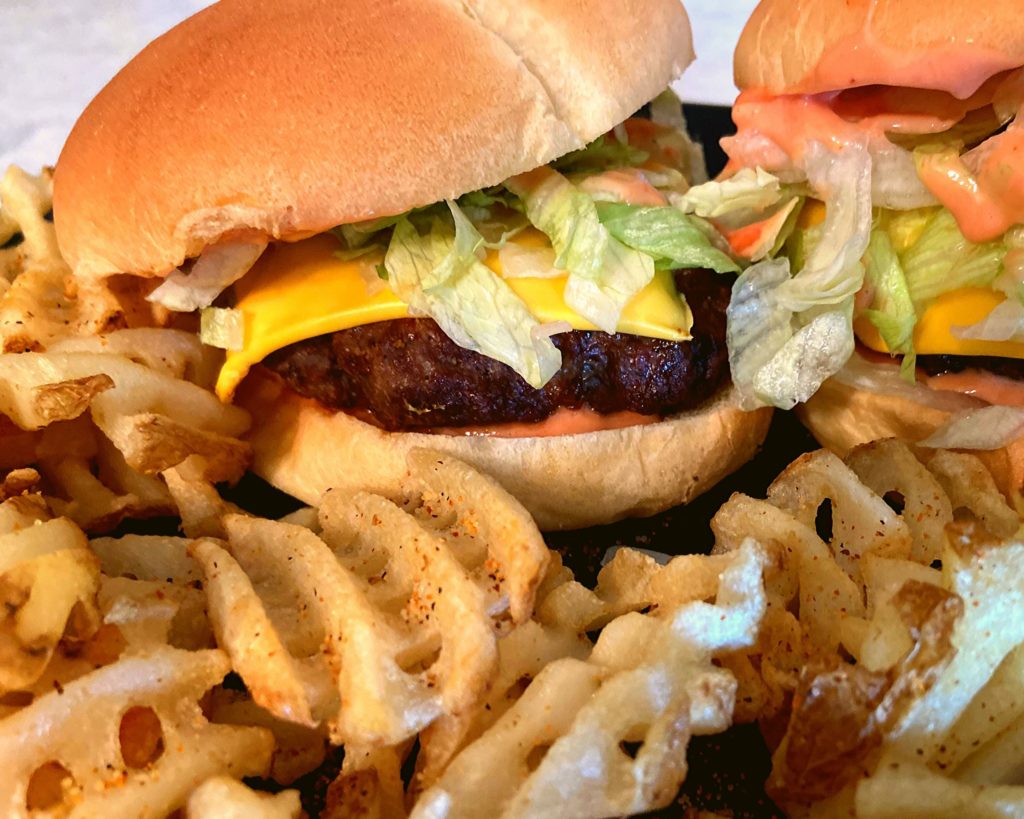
(841, 416)
(566, 482)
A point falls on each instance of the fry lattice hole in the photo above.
(47, 786)
(141, 736)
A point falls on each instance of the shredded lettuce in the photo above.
(216, 269)
(358, 234)
(773, 359)
(603, 153)
(222, 327)
(667, 110)
(764, 237)
(895, 182)
(906, 226)
(518, 262)
(788, 226)
(1004, 323)
(604, 274)
(748, 190)
(669, 236)
(892, 309)
(991, 427)
(601, 298)
(787, 334)
(833, 271)
(942, 259)
(440, 275)
(488, 197)
(350, 253)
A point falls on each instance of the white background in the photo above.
(56, 54)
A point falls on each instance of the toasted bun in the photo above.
(809, 46)
(288, 117)
(841, 417)
(566, 482)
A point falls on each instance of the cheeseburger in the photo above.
(877, 180)
(426, 223)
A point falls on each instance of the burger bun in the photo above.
(565, 481)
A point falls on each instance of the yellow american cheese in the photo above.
(299, 291)
(933, 335)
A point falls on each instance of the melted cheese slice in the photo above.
(299, 291)
(933, 335)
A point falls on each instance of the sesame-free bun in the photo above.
(811, 46)
(566, 481)
(841, 416)
(288, 117)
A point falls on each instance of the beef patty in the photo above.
(942, 364)
(409, 375)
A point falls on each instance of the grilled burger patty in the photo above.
(410, 375)
(942, 364)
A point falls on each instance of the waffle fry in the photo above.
(106, 425)
(18, 482)
(297, 749)
(40, 301)
(48, 584)
(927, 704)
(370, 784)
(147, 557)
(108, 762)
(221, 797)
(200, 506)
(888, 467)
(406, 601)
(521, 657)
(649, 680)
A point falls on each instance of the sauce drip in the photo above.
(988, 387)
(985, 194)
(987, 202)
(563, 421)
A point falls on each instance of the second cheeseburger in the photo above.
(426, 224)
(882, 145)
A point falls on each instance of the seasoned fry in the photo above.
(912, 791)
(649, 680)
(254, 642)
(400, 619)
(18, 482)
(297, 749)
(937, 672)
(83, 727)
(221, 797)
(889, 467)
(970, 486)
(485, 516)
(48, 585)
(40, 301)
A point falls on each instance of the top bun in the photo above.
(288, 117)
(810, 46)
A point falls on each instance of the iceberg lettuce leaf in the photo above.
(892, 310)
(604, 274)
(440, 275)
(670, 237)
(751, 189)
(787, 334)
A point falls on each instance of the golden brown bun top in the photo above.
(809, 46)
(288, 117)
